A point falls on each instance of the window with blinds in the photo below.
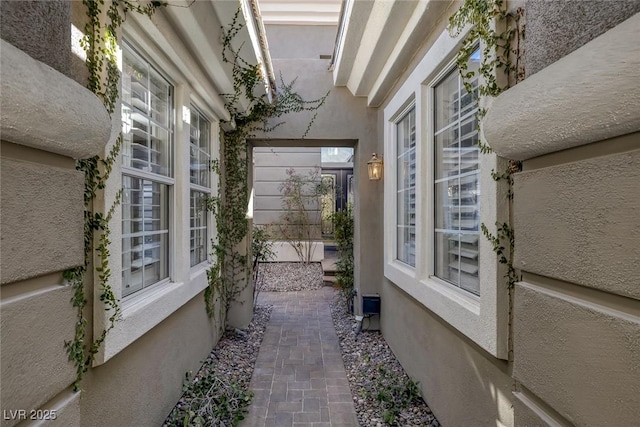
(406, 188)
(146, 173)
(200, 179)
(457, 186)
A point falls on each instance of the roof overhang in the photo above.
(190, 36)
(377, 39)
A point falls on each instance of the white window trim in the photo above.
(209, 191)
(167, 180)
(393, 154)
(145, 309)
(484, 318)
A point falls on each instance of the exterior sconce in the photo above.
(375, 166)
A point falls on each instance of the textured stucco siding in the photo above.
(461, 383)
(47, 37)
(579, 222)
(581, 357)
(141, 384)
(41, 219)
(590, 95)
(34, 365)
(557, 28)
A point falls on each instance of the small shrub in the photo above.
(394, 393)
(210, 402)
(343, 234)
(262, 251)
(301, 201)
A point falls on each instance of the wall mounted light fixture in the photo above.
(375, 166)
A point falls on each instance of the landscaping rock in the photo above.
(228, 369)
(372, 368)
(290, 276)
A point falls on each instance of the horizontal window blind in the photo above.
(406, 188)
(147, 173)
(457, 186)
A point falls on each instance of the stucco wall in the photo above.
(47, 38)
(41, 216)
(462, 384)
(557, 28)
(288, 41)
(49, 121)
(575, 338)
(576, 317)
(36, 320)
(140, 385)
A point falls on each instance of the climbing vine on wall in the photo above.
(500, 47)
(499, 34)
(100, 44)
(228, 276)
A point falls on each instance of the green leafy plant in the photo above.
(393, 392)
(499, 33)
(486, 18)
(212, 402)
(228, 277)
(514, 167)
(343, 233)
(299, 222)
(503, 243)
(100, 44)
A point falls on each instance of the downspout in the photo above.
(253, 16)
(339, 34)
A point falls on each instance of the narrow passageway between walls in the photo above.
(299, 377)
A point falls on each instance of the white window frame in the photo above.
(484, 318)
(207, 191)
(410, 109)
(168, 180)
(143, 310)
(432, 130)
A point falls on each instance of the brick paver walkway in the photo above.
(299, 378)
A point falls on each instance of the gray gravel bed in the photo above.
(363, 358)
(230, 362)
(290, 276)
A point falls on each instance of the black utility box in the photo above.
(370, 304)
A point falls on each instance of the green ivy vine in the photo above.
(499, 33)
(100, 44)
(230, 205)
(498, 51)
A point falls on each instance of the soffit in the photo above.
(379, 38)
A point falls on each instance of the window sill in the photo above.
(453, 304)
(472, 316)
(143, 312)
(199, 269)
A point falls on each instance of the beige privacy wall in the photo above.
(590, 208)
(576, 312)
(48, 121)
